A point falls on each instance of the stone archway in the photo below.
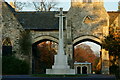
(103, 53)
(45, 37)
(36, 56)
(97, 40)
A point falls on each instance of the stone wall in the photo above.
(11, 28)
(37, 34)
(88, 19)
(0, 38)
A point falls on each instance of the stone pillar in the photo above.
(69, 51)
(69, 45)
(30, 58)
(90, 68)
(105, 62)
(119, 66)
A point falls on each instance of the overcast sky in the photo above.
(95, 47)
(110, 5)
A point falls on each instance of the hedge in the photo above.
(13, 66)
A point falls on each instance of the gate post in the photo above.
(69, 53)
(105, 62)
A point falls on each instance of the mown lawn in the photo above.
(54, 75)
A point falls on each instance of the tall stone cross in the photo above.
(60, 60)
(61, 33)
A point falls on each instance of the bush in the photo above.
(14, 66)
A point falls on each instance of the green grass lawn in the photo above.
(54, 75)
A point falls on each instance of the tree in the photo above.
(112, 44)
(25, 43)
(84, 53)
(44, 57)
(45, 5)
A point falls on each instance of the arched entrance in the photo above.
(43, 53)
(84, 70)
(88, 50)
(78, 70)
(6, 47)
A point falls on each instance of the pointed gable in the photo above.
(113, 16)
(87, 20)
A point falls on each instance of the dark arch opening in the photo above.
(84, 70)
(78, 70)
(43, 53)
(83, 52)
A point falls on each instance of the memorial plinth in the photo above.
(61, 63)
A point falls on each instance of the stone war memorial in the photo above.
(61, 62)
(51, 42)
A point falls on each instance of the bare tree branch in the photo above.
(19, 5)
(44, 5)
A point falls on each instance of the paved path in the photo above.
(90, 77)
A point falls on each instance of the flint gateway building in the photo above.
(86, 20)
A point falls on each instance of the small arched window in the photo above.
(6, 47)
(87, 20)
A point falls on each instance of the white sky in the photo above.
(95, 47)
(110, 5)
(62, 0)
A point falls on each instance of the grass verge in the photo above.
(64, 75)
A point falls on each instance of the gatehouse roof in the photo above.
(44, 20)
(37, 20)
